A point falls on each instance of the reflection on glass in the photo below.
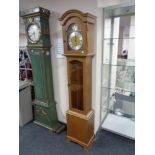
(123, 77)
(76, 84)
(107, 30)
(75, 39)
(122, 105)
(106, 74)
(76, 98)
(119, 27)
(115, 53)
(76, 70)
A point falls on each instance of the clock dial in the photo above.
(34, 33)
(75, 40)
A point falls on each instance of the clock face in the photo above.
(33, 33)
(75, 39)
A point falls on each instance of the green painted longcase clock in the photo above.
(38, 39)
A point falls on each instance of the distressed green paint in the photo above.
(44, 115)
(44, 103)
(37, 74)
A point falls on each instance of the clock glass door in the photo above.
(75, 39)
(76, 84)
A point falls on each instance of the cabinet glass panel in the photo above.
(107, 28)
(118, 71)
(120, 104)
(106, 75)
(106, 96)
(76, 84)
(106, 55)
(119, 27)
(122, 77)
(119, 51)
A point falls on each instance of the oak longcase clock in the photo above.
(78, 38)
(38, 39)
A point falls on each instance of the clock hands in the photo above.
(33, 35)
(75, 40)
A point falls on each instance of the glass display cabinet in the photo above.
(118, 71)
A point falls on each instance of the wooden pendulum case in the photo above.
(78, 38)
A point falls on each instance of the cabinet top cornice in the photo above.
(35, 11)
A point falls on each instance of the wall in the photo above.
(58, 7)
(113, 3)
(22, 36)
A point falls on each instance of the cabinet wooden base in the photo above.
(80, 128)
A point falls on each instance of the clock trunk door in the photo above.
(75, 78)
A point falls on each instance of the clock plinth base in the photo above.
(80, 128)
(57, 127)
(43, 125)
(45, 116)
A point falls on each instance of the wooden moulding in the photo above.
(86, 17)
(80, 117)
(86, 23)
(80, 128)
